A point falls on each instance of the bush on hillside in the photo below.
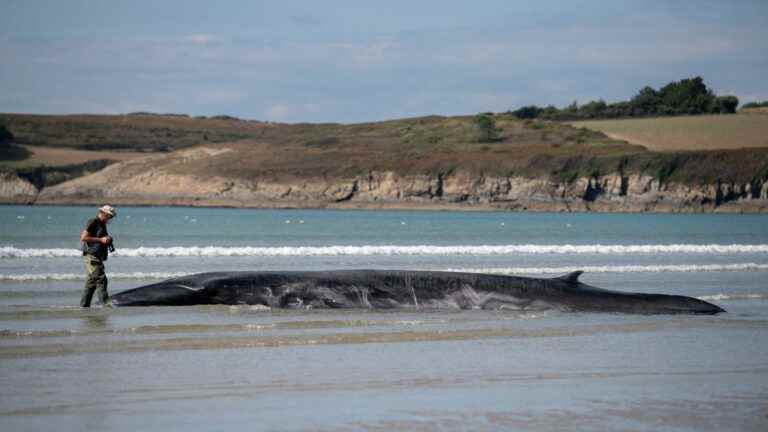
(6, 137)
(726, 104)
(763, 104)
(485, 127)
(9, 151)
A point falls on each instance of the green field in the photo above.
(708, 132)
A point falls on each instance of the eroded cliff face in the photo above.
(16, 190)
(166, 180)
(634, 193)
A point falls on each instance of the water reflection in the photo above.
(98, 321)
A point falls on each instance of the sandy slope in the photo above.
(53, 156)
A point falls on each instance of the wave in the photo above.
(41, 277)
(735, 296)
(10, 252)
(685, 268)
(688, 268)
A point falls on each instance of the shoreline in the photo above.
(517, 207)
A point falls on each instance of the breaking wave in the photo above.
(80, 276)
(502, 271)
(686, 268)
(10, 252)
(720, 297)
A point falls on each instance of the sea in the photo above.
(212, 368)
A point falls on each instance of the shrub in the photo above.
(6, 137)
(527, 112)
(763, 104)
(726, 104)
(485, 128)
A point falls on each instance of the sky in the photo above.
(354, 61)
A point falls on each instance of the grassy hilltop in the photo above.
(427, 144)
(131, 132)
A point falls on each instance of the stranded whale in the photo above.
(387, 289)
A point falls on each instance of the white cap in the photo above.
(109, 210)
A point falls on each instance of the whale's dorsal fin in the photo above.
(572, 277)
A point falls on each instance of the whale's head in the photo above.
(174, 292)
(702, 307)
(674, 304)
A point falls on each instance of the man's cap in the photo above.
(109, 210)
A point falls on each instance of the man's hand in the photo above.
(105, 240)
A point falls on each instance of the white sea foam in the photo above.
(10, 252)
(81, 276)
(735, 296)
(500, 271)
(686, 268)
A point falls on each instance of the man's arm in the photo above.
(85, 236)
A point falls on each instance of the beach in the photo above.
(221, 367)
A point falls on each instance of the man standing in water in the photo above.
(96, 244)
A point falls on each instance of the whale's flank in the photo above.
(388, 289)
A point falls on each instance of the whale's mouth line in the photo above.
(187, 287)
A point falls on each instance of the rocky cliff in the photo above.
(158, 180)
(15, 190)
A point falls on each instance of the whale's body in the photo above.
(388, 289)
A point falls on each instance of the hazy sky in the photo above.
(349, 61)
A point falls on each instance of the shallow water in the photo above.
(223, 368)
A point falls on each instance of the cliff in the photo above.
(156, 180)
(16, 190)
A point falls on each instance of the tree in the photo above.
(8, 151)
(646, 101)
(687, 96)
(755, 104)
(726, 104)
(485, 128)
(550, 111)
(527, 112)
(593, 109)
(6, 137)
(573, 108)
